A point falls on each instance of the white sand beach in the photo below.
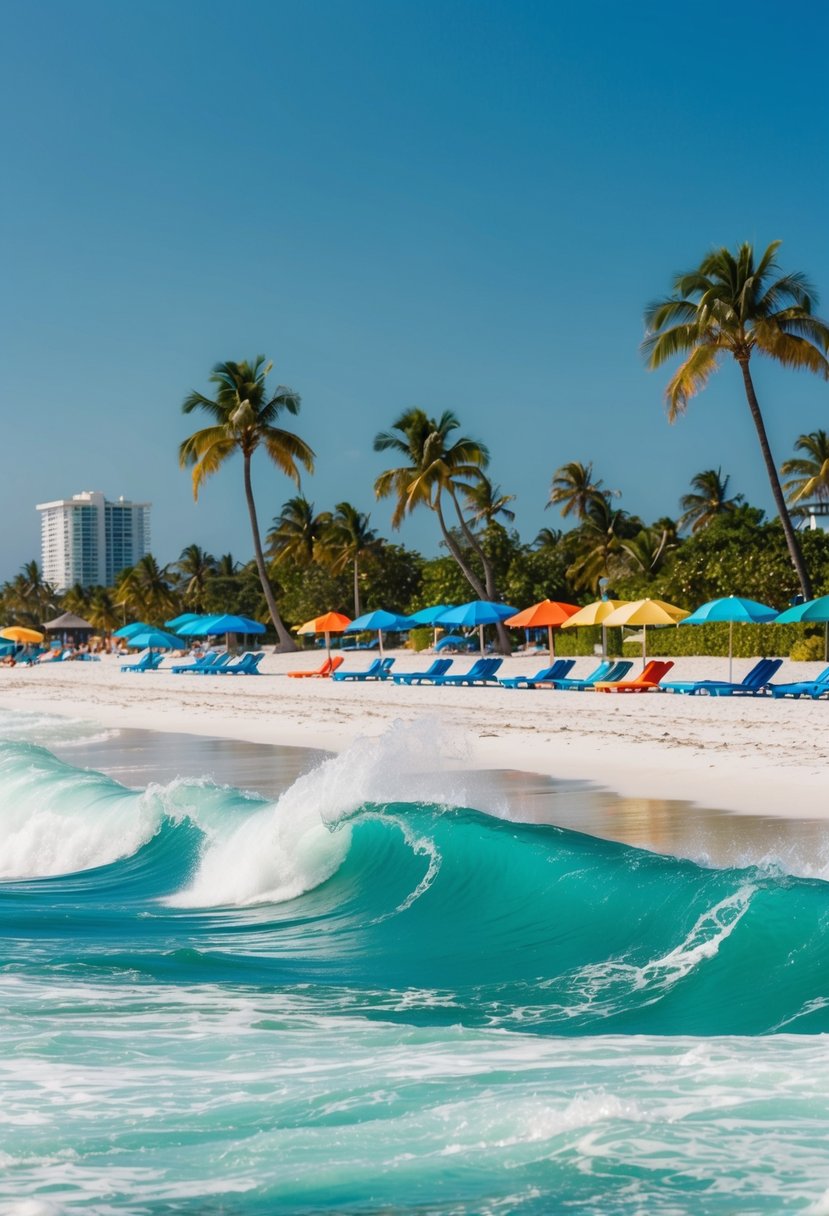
(743, 754)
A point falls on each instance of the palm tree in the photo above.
(709, 498)
(102, 611)
(244, 416)
(548, 538)
(29, 597)
(732, 305)
(438, 465)
(574, 489)
(296, 533)
(600, 544)
(645, 552)
(194, 569)
(811, 473)
(346, 539)
(486, 502)
(144, 589)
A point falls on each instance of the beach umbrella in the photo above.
(202, 626)
(594, 614)
(476, 614)
(154, 639)
(644, 613)
(378, 622)
(19, 633)
(430, 616)
(126, 631)
(184, 618)
(328, 623)
(811, 610)
(731, 608)
(551, 613)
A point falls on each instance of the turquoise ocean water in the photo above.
(368, 996)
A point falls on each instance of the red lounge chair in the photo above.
(649, 679)
(325, 670)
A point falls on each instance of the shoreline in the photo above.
(744, 755)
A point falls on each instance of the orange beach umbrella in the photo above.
(328, 623)
(547, 612)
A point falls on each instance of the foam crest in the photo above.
(293, 845)
(55, 819)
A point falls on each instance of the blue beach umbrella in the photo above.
(378, 622)
(812, 610)
(217, 624)
(476, 614)
(154, 639)
(184, 618)
(126, 631)
(430, 616)
(731, 608)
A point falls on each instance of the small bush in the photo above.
(421, 638)
(808, 650)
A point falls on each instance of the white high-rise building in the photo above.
(89, 540)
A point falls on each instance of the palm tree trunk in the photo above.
(286, 642)
(467, 571)
(489, 574)
(777, 492)
(356, 586)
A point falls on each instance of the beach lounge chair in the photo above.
(438, 668)
(751, 685)
(607, 670)
(321, 673)
(646, 681)
(380, 669)
(148, 662)
(247, 665)
(556, 671)
(819, 687)
(482, 671)
(207, 660)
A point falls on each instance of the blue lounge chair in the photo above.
(247, 665)
(206, 661)
(607, 670)
(751, 685)
(379, 670)
(556, 671)
(148, 662)
(819, 687)
(438, 668)
(482, 671)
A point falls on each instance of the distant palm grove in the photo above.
(312, 560)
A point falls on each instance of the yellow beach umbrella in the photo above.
(19, 633)
(328, 623)
(644, 613)
(594, 614)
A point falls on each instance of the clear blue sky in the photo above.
(448, 204)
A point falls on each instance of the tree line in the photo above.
(732, 305)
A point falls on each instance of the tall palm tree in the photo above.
(194, 569)
(296, 533)
(548, 538)
(244, 417)
(144, 590)
(346, 539)
(437, 467)
(708, 499)
(599, 544)
(809, 475)
(102, 611)
(573, 489)
(29, 597)
(733, 305)
(486, 503)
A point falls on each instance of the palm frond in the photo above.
(689, 379)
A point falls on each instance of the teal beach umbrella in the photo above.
(731, 608)
(814, 611)
(476, 614)
(379, 622)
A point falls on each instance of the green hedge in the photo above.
(750, 641)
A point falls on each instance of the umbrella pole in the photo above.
(550, 642)
(328, 645)
(644, 647)
(730, 652)
(481, 636)
(380, 641)
(826, 642)
(604, 641)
